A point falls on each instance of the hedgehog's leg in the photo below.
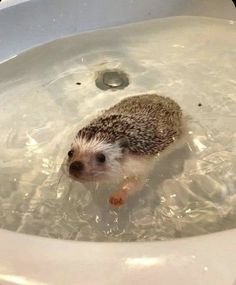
(129, 186)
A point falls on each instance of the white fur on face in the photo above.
(87, 150)
(117, 166)
(95, 145)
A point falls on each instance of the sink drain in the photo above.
(111, 79)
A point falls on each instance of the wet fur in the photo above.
(131, 135)
(149, 122)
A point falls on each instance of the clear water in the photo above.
(191, 192)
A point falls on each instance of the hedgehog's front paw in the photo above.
(117, 199)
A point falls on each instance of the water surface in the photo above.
(191, 192)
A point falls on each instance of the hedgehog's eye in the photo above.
(100, 157)
(70, 153)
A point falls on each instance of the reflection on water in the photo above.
(191, 192)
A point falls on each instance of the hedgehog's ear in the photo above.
(124, 144)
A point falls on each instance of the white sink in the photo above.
(25, 259)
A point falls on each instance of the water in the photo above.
(191, 192)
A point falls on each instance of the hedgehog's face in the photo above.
(93, 160)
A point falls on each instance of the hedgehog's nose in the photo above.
(76, 167)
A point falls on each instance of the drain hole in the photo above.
(111, 79)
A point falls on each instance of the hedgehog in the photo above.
(122, 142)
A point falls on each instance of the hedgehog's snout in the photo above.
(76, 168)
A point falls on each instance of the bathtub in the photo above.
(25, 259)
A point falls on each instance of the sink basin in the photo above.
(27, 259)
